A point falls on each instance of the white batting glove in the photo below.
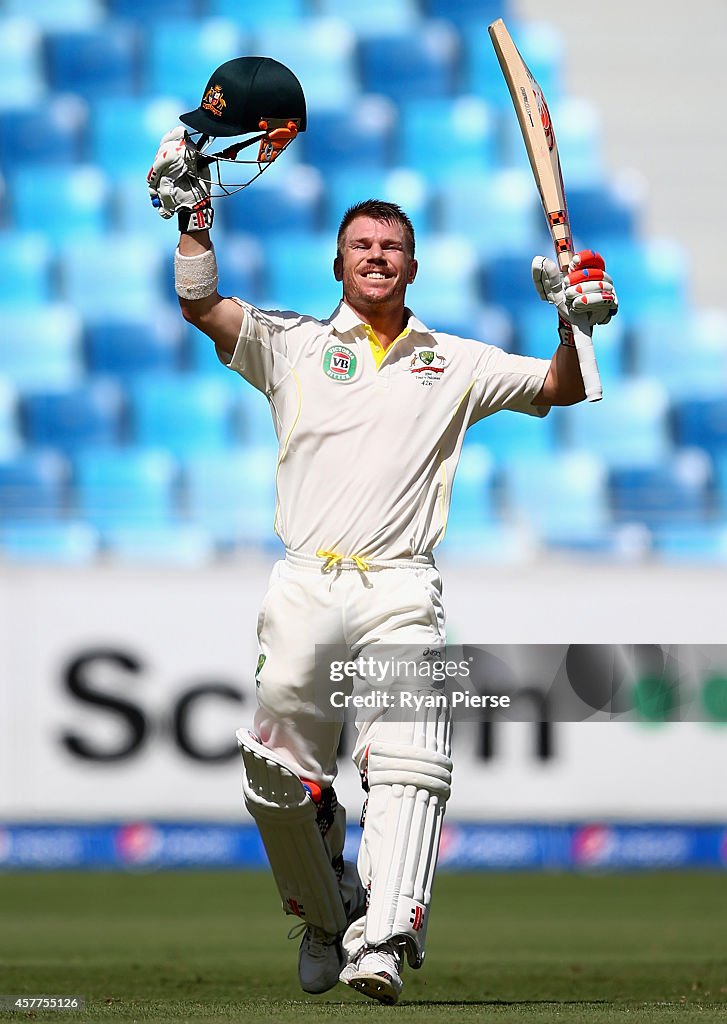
(177, 185)
(583, 297)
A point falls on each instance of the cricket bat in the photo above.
(539, 136)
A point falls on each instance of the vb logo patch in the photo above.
(339, 363)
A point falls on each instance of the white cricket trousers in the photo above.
(397, 603)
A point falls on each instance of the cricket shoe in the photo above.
(376, 973)
(319, 960)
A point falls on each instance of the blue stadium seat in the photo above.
(22, 75)
(110, 274)
(141, 123)
(446, 284)
(52, 132)
(79, 206)
(285, 202)
(33, 486)
(440, 137)
(183, 414)
(50, 15)
(540, 45)
(204, 45)
(359, 138)
(407, 188)
(499, 213)
(669, 495)
(182, 544)
(320, 51)
(405, 67)
(123, 487)
(255, 418)
(631, 429)
(467, 12)
(483, 323)
(95, 62)
(603, 210)
(74, 418)
(232, 495)
(473, 498)
(41, 347)
(25, 270)
(693, 545)
(9, 427)
(720, 481)
(687, 353)
(262, 16)
(139, 10)
(300, 274)
(508, 435)
(376, 17)
(127, 346)
(57, 543)
(506, 280)
(562, 498)
(536, 326)
(578, 132)
(702, 423)
(660, 289)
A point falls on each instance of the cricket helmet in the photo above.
(244, 92)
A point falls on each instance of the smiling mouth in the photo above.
(375, 275)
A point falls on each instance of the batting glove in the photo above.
(178, 185)
(584, 296)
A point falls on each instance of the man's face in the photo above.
(374, 264)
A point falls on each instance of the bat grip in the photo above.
(587, 362)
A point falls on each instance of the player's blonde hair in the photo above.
(378, 209)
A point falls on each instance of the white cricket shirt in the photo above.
(368, 453)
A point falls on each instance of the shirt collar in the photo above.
(343, 319)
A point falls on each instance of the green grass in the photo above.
(212, 947)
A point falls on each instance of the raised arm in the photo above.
(177, 185)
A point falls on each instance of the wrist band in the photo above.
(195, 277)
(198, 219)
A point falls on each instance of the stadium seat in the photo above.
(693, 545)
(687, 353)
(22, 75)
(141, 123)
(255, 418)
(404, 66)
(94, 62)
(536, 326)
(603, 210)
(442, 137)
(506, 280)
(344, 187)
(578, 132)
(446, 283)
(284, 202)
(110, 274)
(320, 51)
(483, 323)
(178, 545)
(262, 16)
(122, 487)
(660, 289)
(42, 347)
(467, 12)
(9, 426)
(702, 423)
(182, 413)
(80, 205)
(631, 429)
(299, 274)
(127, 346)
(74, 418)
(50, 15)
(25, 270)
(205, 45)
(139, 10)
(232, 495)
(563, 498)
(359, 138)
(670, 495)
(720, 481)
(51, 543)
(508, 435)
(375, 17)
(473, 498)
(498, 213)
(52, 132)
(33, 486)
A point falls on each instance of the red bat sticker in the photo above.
(544, 112)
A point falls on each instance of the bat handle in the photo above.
(587, 362)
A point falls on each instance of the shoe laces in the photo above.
(317, 941)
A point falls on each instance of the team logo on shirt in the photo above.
(427, 365)
(339, 363)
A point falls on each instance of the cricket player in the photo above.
(370, 408)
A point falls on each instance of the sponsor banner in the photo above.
(463, 847)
